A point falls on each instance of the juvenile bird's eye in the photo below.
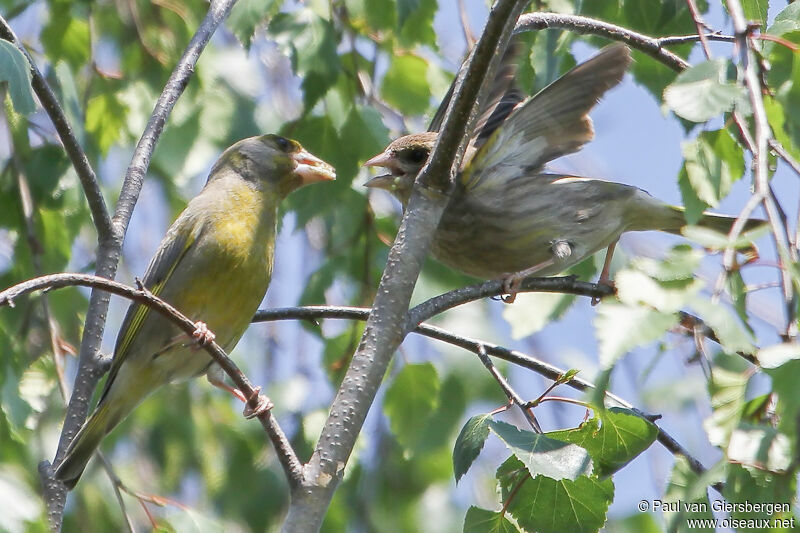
(416, 155)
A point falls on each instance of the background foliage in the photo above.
(343, 78)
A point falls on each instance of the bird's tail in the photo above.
(106, 416)
(647, 213)
(675, 221)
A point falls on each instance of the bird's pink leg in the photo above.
(605, 278)
(216, 377)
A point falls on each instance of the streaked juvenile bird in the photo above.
(214, 265)
(508, 218)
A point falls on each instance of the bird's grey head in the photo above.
(272, 161)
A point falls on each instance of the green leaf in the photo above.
(410, 401)
(404, 10)
(14, 69)
(13, 406)
(613, 438)
(680, 263)
(21, 503)
(405, 85)
(784, 385)
(693, 206)
(714, 162)
(781, 127)
(635, 287)
(756, 10)
(105, 119)
(70, 101)
(727, 388)
(66, 37)
(482, 521)
(759, 446)
(778, 354)
(546, 505)
(416, 23)
(751, 486)
(786, 21)
(620, 328)
(247, 15)
(732, 334)
(366, 136)
(714, 240)
(311, 43)
(685, 498)
(469, 444)
(542, 455)
(533, 311)
(567, 376)
(702, 92)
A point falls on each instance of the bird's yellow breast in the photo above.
(231, 265)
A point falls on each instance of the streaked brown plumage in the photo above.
(508, 218)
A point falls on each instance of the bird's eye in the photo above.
(283, 143)
(416, 155)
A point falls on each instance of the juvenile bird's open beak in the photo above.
(382, 182)
(312, 169)
(386, 181)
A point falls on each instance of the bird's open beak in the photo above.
(381, 160)
(312, 169)
(385, 181)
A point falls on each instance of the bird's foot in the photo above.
(750, 255)
(605, 283)
(511, 286)
(263, 405)
(202, 334)
(513, 282)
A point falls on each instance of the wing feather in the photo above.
(179, 239)
(550, 124)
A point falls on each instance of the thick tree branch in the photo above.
(585, 25)
(385, 328)
(91, 187)
(283, 448)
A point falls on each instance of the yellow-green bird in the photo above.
(508, 218)
(214, 265)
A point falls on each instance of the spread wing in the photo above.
(503, 96)
(173, 248)
(552, 123)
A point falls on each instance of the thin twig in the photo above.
(683, 39)
(701, 27)
(469, 37)
(116, 483)
(785, 155)
(283, 448)
(91, 187)
(512, 356)
(510, 393)
(761, 136)
(585, 25)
